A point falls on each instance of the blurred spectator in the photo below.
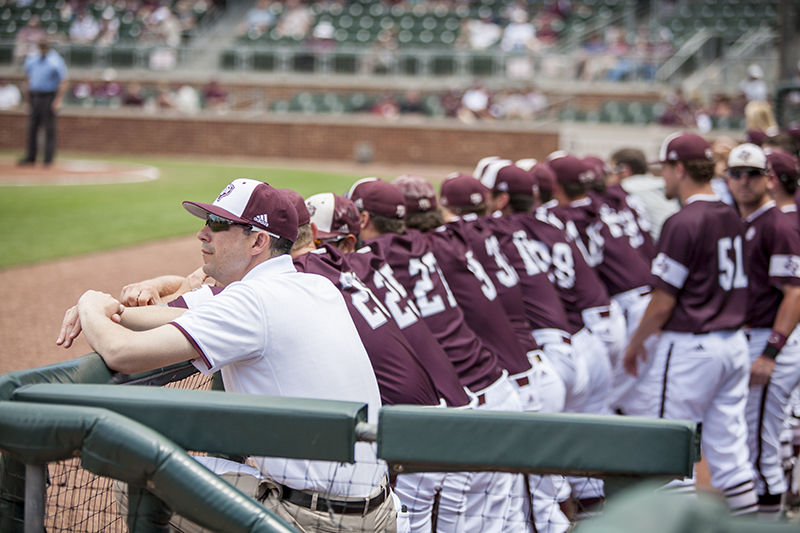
(258, 20)
(109, 27)
(386, 107)
(10, 96)
(482, 33)
(475, 103)
(81, 93)
(109, 91)
(519, 35)
(382, 56)
(547, 25)
(215, 96)
(187, 100)
(411, 103)
(759, 117)
(321, 39)
(754, 87)
(619, 50)
(296, 21)
(28, 37)
(677, 112)
(84, 28)
(165, 98)
(134, 96)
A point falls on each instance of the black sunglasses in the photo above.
(216, 223)
(737, 173)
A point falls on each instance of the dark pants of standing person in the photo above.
(41, 115)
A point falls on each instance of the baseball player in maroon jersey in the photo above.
(612, 252)
(625, 210)
(477, 296)
(773, 309)
(783, 185)
(382, 210)
(463, 203)
(463, 199)
(335, 222)
(473, 288)
(585, 368)
(700, 366)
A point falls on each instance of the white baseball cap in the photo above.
(747, 155)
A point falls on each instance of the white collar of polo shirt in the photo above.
(274, 265)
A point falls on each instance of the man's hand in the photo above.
(71, 324)
(633, 353)
(140, 294)
(70, 327)
(102, 302)
(761, 370)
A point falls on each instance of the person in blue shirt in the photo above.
(47, 75)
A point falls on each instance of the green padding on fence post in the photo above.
(114, 446)
(87, 369)
(448, 439)
(223, 422)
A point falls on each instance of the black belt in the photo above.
(360, 506)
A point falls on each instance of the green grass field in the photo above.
(49, 222)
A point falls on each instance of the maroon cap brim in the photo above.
(201, 210)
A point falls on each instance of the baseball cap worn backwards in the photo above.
(684, 147)
(378, 197)
(747, 155)
(462, 190)
(334, 215)
(251, 202)
(419, 194)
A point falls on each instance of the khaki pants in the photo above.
(380, 519)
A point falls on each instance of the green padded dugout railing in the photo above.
(244, 424)
(114, 446)
(419, 439)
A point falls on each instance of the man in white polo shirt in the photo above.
(271, 331)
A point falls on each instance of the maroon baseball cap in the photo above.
(570, 169)
(515, 180)
(783, 164)
(462, 190)
(419, 194)
(378, 197)
(334, 215)
(684, 147)
(252, 202)
(756, 137)
(299, 205)
(544, 176)
(597, 165)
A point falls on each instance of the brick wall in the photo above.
(443, 142)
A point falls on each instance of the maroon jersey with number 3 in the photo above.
(477, 296)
